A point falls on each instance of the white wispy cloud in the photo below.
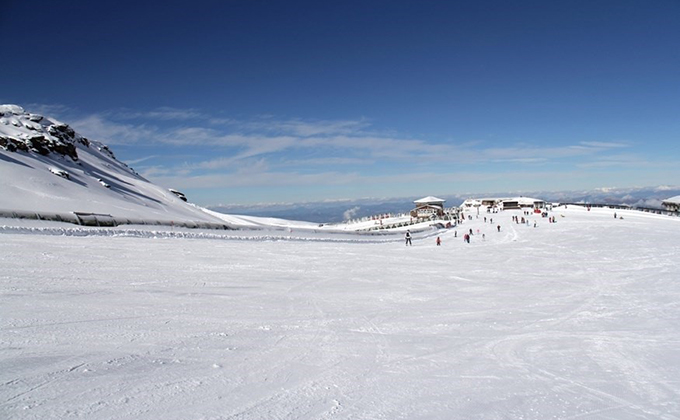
(604, 145)
(376, 182)
(159, 114)
(302, 128)
(277, 151)
(253, 179)
(141, 159)
(96, 127)
(620, 159)
(267, 136)
(48, 110)
(323, 161)
(169, 113)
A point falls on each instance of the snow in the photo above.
(570, 320)
(429, 199)
(11, 109)
(526, 201)
(675, 200)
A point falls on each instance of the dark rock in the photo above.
(179, 194)
(103, 148)
(43, 145)
(66, 149)
(39, 144)
(8, 144)
(62, 132)
(12, 145)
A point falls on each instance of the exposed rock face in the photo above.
(13, 145)
(179, 194)
(105, 149)
(21, 131)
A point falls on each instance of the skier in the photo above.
(499, 227)
(439, 241)
(408, 237)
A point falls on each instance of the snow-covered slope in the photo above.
(573, 320)
(45, 166)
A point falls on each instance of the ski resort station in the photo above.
(672, 204)
(428, 207)
(515, 203)
(430, 210)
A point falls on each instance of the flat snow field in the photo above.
(574, 320)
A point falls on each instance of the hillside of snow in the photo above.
(576, 319)
(47, 167)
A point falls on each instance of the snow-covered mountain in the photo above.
(45, 166)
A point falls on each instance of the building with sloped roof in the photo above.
(505, 203)
(672, 204)
(428, 207)
(521, 203)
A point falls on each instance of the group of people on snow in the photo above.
(466, 237)
(468, 233)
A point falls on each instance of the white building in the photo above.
(522, 203)
(505, 203)
(471, 202)
(672, 204)
(428, 207)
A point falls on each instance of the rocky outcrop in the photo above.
(12, 145)
(21, 131)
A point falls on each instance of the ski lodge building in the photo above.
(672, 204)
(516, 203)
(428, 207)
(522, 203)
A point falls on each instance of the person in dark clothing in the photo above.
(408, 237)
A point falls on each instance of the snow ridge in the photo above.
(159, 234)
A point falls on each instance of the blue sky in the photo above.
(263, 101)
